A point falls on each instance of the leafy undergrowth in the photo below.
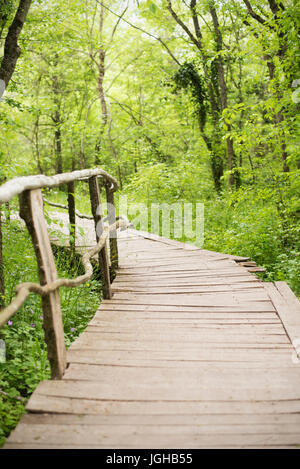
(26, 356)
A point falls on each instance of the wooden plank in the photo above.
(126, 436)
(32, 212)
(166, 391)
(204, 300)
(139, 352)
(163, 240)
(194, 346)
(155, 328)
(204, 376)
(148, 290)
(148, 359)
(168, 312)
(154, 317)
(247, 420)
(206, 274)
(65, 447)
(121, 305)
(196, 280)
(192, 336)
(179, 269)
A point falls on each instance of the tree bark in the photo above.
(279, 117)
(234, 178)
(12, 49)
(101, 75)
(213, 143)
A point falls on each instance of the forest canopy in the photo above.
(181, 100)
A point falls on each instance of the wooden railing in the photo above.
(31, 204)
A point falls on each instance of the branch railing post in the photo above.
(31, 210)
(99, 226)
(111, 217)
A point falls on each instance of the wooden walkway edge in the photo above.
(192, 351)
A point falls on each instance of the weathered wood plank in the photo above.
(194, 337)
(178, 359)
(205, 376)
(247, 420)
(178, 306)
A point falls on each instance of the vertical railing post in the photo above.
(111, 217)
(72, 215)
(31, 210)
(98, 218)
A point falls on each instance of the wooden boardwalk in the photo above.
(193, 351)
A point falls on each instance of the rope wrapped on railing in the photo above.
(24, 289)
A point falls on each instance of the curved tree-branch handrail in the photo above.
(31, 202)
(20, 184)
(64, 207)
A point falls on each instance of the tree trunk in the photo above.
(58, 123)
(234, 176)
(213, 143)
(12, 50)
(101, 75)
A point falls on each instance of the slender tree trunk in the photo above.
(57, 123)
(101, 75)
(12, 50)
(213, 143)
(275, 7)
(37, 145)
(72, 215)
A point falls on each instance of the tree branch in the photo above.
(183, 26)
(254, 15)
